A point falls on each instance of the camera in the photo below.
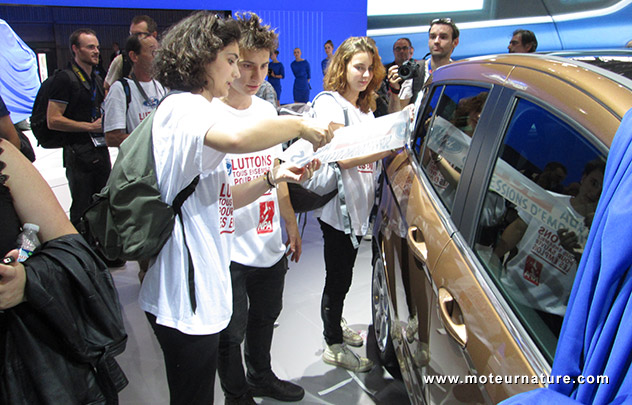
(409, 69)
(270, 72)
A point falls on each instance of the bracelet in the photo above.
(393, 90)
(270, 179)
(438, 158)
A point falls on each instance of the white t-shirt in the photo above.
(543, 272)
(359, 181)
(118, 116)
(179, 128)
(258, 238)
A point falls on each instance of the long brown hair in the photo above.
(336, 76)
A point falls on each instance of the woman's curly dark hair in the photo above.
(336, 76)
(188, 46)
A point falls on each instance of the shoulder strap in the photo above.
(128, 99)
(184, 194)
(177, 207)
(78, 74)
(345, 111)
(126, 89)
(346, 217)
(140, 88)
(74, 95)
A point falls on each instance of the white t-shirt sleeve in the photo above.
(115, 108)
(406, 90)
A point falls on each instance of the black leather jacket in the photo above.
(58, 347)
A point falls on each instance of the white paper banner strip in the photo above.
(383, 133)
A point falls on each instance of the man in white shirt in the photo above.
(141, 25)
(258, 260)
(443, 37)
(129, 101)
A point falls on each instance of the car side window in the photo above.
(536, 216)
(448, 138)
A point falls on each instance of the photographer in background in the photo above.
(404, 83)
(402, 51)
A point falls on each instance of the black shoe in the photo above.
(278, 389)
(245, 399)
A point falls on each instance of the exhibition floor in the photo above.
(297, 346)
(298, 343)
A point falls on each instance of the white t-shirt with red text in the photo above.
(179, 129)
(542, 273)
(258, 238)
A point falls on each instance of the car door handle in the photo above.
(417, 243)
(452, 317)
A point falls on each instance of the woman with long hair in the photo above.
(353, 75)
(187, 310)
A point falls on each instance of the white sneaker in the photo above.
(349, 336)
(340, 355)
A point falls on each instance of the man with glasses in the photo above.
(443, 37)
(402, 51)
(130, 100)
(142, 25)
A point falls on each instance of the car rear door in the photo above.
(499, 309)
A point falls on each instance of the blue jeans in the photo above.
(257, 303)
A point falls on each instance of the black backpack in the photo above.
(46, 137)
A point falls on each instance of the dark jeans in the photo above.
(190, 361)
(340, 256)
(87, 171)
(257, 303)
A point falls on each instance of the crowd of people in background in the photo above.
(201, 80)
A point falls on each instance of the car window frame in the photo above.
(481, 174)
(465, 237)
(485, 123)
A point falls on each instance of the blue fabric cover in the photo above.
(19, 79)
(596, 337)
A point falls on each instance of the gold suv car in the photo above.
(482, 221)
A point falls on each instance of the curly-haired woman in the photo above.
(198, 57)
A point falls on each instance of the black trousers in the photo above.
(340, 256)
(190, 361)
(87, 171)
(257, 303)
